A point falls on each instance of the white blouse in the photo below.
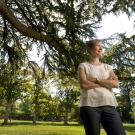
(99, 96)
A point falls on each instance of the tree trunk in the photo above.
(7, 112)
(35, 114)
(66, 118)
(34, 118)
(129, 107)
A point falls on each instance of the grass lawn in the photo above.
(50, 128)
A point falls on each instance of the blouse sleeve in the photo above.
(81, 65)
(113, 75)
(110, 70)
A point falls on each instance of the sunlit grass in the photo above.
(50, 128)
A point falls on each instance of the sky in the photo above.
(112, 24)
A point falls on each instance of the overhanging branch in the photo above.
(27, 31)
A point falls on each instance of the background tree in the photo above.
(121, 57)
(133, 105)
(13, 85)
(68, 96)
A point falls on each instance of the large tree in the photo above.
(60, 25)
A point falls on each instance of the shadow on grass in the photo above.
(23, 123)
(130, 127)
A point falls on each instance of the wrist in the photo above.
(97, 80)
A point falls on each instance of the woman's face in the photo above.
(96, 50)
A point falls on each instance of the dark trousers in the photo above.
(106, 115)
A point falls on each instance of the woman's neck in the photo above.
(94, 61)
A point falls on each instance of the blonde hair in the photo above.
(90, 44)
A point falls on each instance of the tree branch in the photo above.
(27, 31)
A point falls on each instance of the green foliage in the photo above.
(120, 55)
(25, 107)
(12, 84)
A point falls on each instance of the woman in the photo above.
(98, 103)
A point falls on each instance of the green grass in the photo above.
(50, 128)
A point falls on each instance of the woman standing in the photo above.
(98, 103)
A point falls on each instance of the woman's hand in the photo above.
(92, 79)
(111, 78)
(111, 82)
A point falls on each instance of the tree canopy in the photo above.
(61, 26)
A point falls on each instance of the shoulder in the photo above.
(108, 67)
(82, 65)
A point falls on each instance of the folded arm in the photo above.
(85, 83)
(111, 82)
(88, 82)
